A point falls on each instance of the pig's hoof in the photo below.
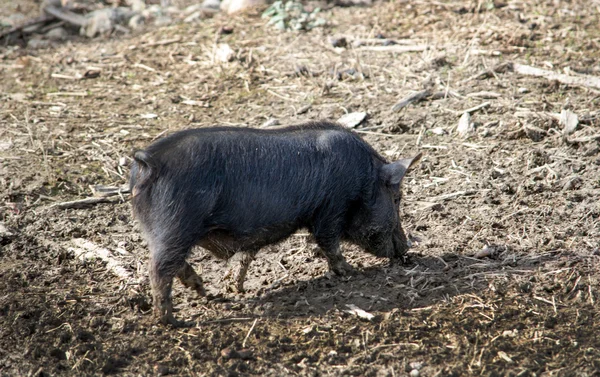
(343, 268)
(171, 321)
(167, 320)
(233, 288)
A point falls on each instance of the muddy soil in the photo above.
(503, 277)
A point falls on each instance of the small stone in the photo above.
(224, 53)
(592, 151)
(523, 90)
(230, 353)
(4, 146)
(573, 183)
(338, 42)
(414, 373)
(57, 34)
(224, 30)
(438, 131)
(245, 354)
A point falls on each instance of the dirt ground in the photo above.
(503, 277)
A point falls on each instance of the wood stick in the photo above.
(86, 249)
(33, 21)
(585, 81)
(249, 332)
(163, 42)
(500, 68)
(476, 108)
(79, 203)
(415, 97)
(395, 48)
(454, 195)
(66, 15)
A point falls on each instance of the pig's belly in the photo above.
(224, 244)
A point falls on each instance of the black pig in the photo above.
(235, 190)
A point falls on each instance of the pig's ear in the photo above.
(393, 173)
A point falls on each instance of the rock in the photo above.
(438, 131)
(224, 53)
(569, 121)
(414, 373)
(4, 146)
(57, 34)
(235, 6)
(100, 22)
(465, 126)
(351, 120)
(211, 4)
(12, 20)
(103, 21)
(37, 43)
(573, 183)
(136, 5)
(5, 234)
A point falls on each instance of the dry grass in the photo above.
(504, 275)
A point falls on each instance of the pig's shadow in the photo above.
(420, 283)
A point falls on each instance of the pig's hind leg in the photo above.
(165, 263)
(236, 275)
(189, 278)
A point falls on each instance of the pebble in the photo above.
(57, 34)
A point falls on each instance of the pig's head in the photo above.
(376, 225)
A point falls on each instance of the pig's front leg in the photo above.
(189, 278)
(336, 261)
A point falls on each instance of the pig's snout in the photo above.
(401, 243)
